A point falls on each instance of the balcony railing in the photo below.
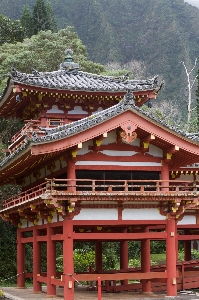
(18, 138)
(123, 186)
(25, 197)
(60, 188)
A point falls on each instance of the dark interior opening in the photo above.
(107, 178)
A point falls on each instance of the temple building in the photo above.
(94, 166)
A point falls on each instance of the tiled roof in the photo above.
(127, 103)
(82, 81)
(64, 131)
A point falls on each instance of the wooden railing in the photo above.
(19, 137)
(123, 186)
(25, 196)
(32, 125)
(53, 187)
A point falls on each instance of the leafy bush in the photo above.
(194, 254)
(134, 263)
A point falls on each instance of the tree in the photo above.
(197, 100)
(27, 22)
(135, 69)
(10, 32)
(190, 85)
(51, 17)
(43, 17)
(45, 52)
(8, 268)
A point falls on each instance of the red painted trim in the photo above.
(20, 260)
(36, 261)
(166, 136)
(27, 240)
(134, 158)
(118, 236)
(190, 237)
(117, 222)
(171, 257)
(121, 276)
(118, 168)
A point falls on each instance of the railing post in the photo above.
(125, 186)
(93, 185)
(157, 186)
(165, 178)
(99, 285)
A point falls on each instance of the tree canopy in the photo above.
(42, 18)
(44, 52)
(27, 22)
(10, 32)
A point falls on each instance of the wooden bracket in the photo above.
(144, 143)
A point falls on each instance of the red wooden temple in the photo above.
(96, 167)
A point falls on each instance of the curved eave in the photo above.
(6, 92)
(22, 164)
(9, 106)
(35, 87)
(165, 137)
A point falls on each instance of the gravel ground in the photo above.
(13, 293)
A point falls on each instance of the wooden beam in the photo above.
(183, 237)
(119, 236)
(120, 276)
(169, 151)
(119, 222)
(27, 240)
(57, 237)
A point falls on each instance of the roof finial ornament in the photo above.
(13, 71)
(34, 72)
(68, 63)
(128, 99)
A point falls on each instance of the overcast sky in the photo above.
(193, 2)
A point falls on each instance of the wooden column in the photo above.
(20, 260)
(36, 261)
(71, 174)
(68, 259)
(51, 262)
(171, 258)
(98, 256)
(124, 259)
(145, 262)
(187, 248)
(165, 176)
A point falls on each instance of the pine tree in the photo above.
(27, 22)
(43, 17)
(51, 17)
(40, 17)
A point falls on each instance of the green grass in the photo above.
(159, 258)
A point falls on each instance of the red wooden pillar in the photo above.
(187, 248)
(20, 260)
(51, 262)
(68, 259)
(145, 262)
(165, 176)
(171, 258)
(98, 256)
(124, 259)
(71, 174)
(36, 261)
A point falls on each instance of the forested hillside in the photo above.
(161, 33)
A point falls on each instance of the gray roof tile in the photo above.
(79, 80)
